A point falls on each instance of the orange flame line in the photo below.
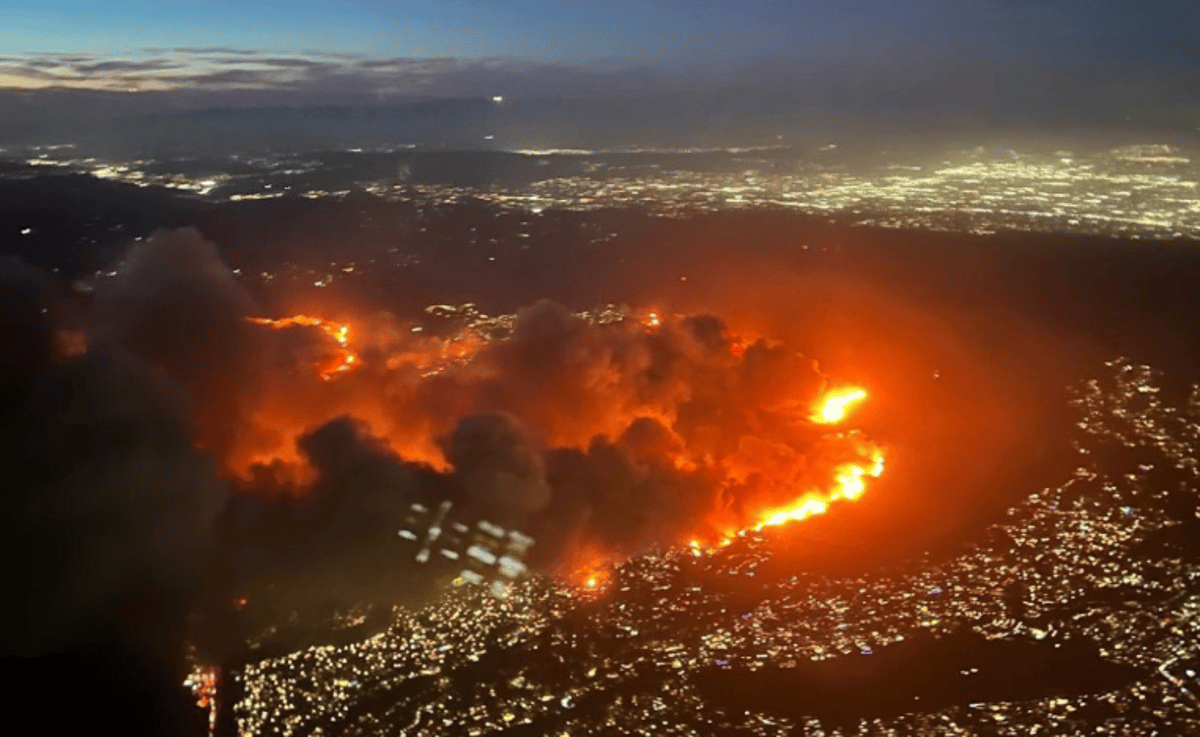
(340, 334)
(850, 483)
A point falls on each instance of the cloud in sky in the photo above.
(117, 66)
(223, 69)
(914, 74)
(582, 47)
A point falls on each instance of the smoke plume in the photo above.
(176, 304)
(594, 436)
(108, 512)
(613, 435)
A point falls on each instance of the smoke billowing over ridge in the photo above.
(108, 507)
(653, 428)
(192, 446)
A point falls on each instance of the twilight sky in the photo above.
(532, 47)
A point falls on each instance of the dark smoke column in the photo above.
(107, 512)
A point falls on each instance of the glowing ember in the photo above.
(345, 360)
(593, 580)
(590, 569)
(70, 343)
(833, 409)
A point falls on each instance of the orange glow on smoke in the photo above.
(290, 406)
(785, 458)
(589, 569)
(70, 344)
(849, 480)
(833, 407)
(340, 333)
(594, 578)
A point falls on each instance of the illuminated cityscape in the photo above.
(1137, 191)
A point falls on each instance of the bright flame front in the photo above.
(834, 407)
(849, 482)
(345, 359)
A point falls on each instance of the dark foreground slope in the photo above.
(918, 675)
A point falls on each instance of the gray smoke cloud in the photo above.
(27, 314)
(108, 507)
(499, 466)
(109, 499)
(176, 304)
(621, 436)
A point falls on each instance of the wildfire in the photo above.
(806, 509)
(340, 333)
(850, 479)
(776, 472)
(589, 570)
(849, 482)
(594, 580)
(833, 408)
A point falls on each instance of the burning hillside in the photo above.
(342, 361)
(600, 434)
(603, 437)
